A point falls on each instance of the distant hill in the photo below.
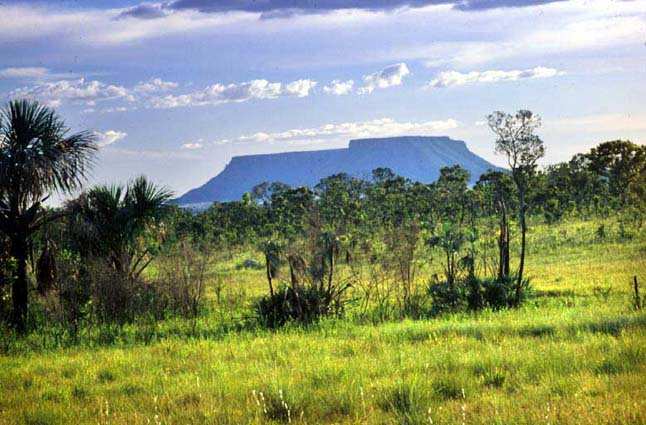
(417, 157)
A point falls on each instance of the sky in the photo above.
(175, 89)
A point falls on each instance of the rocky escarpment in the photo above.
(418, 158)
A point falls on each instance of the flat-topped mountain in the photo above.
(418, 158)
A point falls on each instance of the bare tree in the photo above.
(516, 140)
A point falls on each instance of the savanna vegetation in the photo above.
(514, 300)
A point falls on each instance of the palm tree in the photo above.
(109, 222)
(38, 156)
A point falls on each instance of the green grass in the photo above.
(575, 354)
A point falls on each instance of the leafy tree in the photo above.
(623, 165)
(261, 193)
(340, 204)
(516, 140)
(289, 211)
(233, 223)
(111, 223)
(454, 206)
(38, 156)
(382, 174)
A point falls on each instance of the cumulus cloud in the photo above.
(299, 88)
(339, 88)
(155, 85)
(455, 78)
(77, 91)
(390, 76)
(109, 137)
(24, 72)
(219, 93)
(374, 128)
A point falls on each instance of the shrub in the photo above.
(475, 294)
(119, 298)
(501, 293)
(446, 297)
(301, 304)
(66, 302)
(182, 279)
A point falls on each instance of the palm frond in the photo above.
(38, 155)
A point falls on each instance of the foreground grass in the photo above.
(576, 354)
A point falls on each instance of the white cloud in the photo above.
(299, 88)
(219, 93)
(77, 91)
(339, 88)
(389, 76)
(151, 93)
(24, 72)
(155, 85)
(109, 137)
(383, 127)
(192, 146)
(455, 78)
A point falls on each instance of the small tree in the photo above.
(516, 140)
(454, 207)
(111, 223)
(496, 188)
(38, 156)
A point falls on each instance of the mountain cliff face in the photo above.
(416, 157)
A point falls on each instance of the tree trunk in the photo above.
(268, 268)
(523, 233)
(503, 244)
(506, 268)
(20, 286)
(331, 275)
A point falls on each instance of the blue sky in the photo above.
(174, 89)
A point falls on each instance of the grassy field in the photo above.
(575, 354)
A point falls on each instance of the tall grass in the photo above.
(575, 354)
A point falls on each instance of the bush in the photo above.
(302, 304)
(66, 302)
(182, 279)
(446, 297)
(475, 294)
(119, 298)
(501, 293)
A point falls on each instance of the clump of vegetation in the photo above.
(313, 290)
(301, 304)
(403, 401)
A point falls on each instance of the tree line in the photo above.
(95, 251)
